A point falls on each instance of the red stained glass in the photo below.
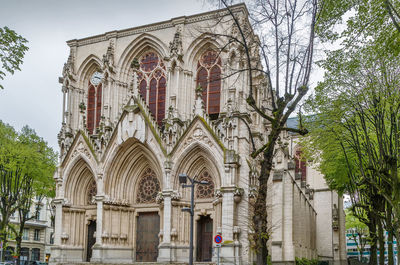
(153, 69)
(149, 62)
(202, 76)
(91, 109)
(210, 80)
(301, 165)
(209, 58)
(162, 83)
(214, 90)
(142, 88)
(153, 96)
(98, 105)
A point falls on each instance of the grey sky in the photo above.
(33, 96)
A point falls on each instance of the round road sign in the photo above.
(218, 239)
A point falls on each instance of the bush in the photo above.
(305, 261)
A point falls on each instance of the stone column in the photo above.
(97, 248)
(287, 222)
(64, 91)
(227, 252)
(228, 208)
(164, 254)
(58, 222)
(56, 251)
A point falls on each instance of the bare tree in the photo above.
(276, 45)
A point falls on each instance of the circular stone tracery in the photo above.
(205, 190)
(148, 187)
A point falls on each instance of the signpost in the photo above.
(218, 241)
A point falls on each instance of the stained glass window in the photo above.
(94, 102)
(148, 187)
(152, 74)
(205, 190)
(91, 108)
(209, 78)
(300, 164)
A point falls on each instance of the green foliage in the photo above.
(356, 23)
(354, 132)
(305, 261)
(30, 154)
(353, 222)
(12, 51)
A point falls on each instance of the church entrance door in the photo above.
(204, 238)
(91, 240)
(148, 227)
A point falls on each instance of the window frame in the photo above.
(152, 79)
(210, 81)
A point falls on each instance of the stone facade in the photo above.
(143, 105)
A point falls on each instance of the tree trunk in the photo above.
(3, 235)
(390, 234)
(361, 244)
(260, 221)
(373, 240)
(18, 240)
(381, 240)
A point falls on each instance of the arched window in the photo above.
(209, 78)
(300, 165)
(152, 84)
(94, 102)
(148, 187)
(91, 191)
(205, 190)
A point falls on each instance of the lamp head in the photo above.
(182, 178)
(204, 182)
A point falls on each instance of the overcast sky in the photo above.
(33, 95)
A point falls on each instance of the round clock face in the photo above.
(96, 78)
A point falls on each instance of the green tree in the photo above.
(356, 127)
(358, 231)
(358, 22)
(27, 165)
(12, 51)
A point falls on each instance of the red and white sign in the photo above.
(218, 239)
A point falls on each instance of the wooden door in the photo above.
(148, 227)
(204, 238)
(91, 240)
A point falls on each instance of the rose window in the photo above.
(149, 186)
(205, 190)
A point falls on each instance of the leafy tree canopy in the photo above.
(28, 152)
(12, 51)
(357, 22)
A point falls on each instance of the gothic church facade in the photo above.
(141, 106)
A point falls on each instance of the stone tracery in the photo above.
(206, 190)
(91, 191)
(152, 84)
(209, 79)
(148, 187)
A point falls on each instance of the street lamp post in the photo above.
(182, 180)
